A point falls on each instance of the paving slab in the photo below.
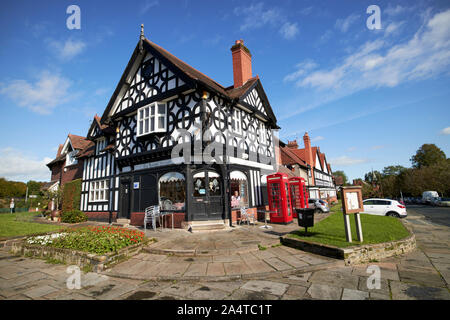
(180, 289)
(350, 294)
(242, 294)
(391, 274)
(425, 278)
(278, 264)
(259, 266)
(215, 269)
(196, 269)
(338, 279)
(236, 268)
(296, 291)
(40, 291)
(208, 293)
(407, 291)
(324, 292)
(293, 261)
(269, 287)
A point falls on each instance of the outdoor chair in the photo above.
(245, 216)
(151, 214)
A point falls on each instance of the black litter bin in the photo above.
(305, 218)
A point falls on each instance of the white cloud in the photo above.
(445, 131)
(302, 68)
(256, 16)
(289, 30)
(14, 165)
(346, 161)
(344, 24)
(375, 64)
(42, 96)
(148, 5)
(377, 147)
(393, 28)
(318, 138)
(67, 50)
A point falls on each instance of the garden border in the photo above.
(96, 262)
(356, 254)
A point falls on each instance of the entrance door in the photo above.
(125, 196)
(208, 200)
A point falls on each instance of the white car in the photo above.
(384, 207)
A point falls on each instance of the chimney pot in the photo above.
(242, 63)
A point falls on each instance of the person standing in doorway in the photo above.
(12, 206)
(235, 199)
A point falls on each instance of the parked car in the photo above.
(384, 207)
(319, 205)
(427, 196)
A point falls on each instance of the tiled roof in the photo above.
(288, 156)
(283, 169)
(87, 151)
(78, 142)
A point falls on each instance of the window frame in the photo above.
(97, 188)
(236, 118)
(262, 133)
(155, 116)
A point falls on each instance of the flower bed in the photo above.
(96, 240)
(95, 247)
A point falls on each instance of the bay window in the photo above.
(152, 118)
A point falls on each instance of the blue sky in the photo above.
(368, 98)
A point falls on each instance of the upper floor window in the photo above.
(236, 121)
(262, 133)
(70, 158)
(152, 118)
(100, 145)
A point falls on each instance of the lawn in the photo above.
(21, 224)
(376, 229)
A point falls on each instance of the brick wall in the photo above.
(137, 219)
(101, 216)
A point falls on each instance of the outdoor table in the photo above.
(166, 212)
(265, 226)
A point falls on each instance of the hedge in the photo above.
(71, 197)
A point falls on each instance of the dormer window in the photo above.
(70, 158)
(152, 118)
(236, 123)
(100, 145)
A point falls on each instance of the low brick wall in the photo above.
(102, 216)
(98, 263)
(355, 254)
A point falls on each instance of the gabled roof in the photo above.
(289, 157)
(191, 76)
(285, 170)
(104, 128)
(76, 142)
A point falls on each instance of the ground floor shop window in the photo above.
(172, 191)
(239, 189)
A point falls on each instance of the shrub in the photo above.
(74, 216)
(71, 197)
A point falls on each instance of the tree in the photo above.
(341, 173)
(373, 177)
(393, 170)
(34, 187)
(428, 155)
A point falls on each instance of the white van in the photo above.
(427, 196)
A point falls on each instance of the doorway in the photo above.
(207, 201)
(125, 199)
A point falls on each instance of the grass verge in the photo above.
(330, 231)
(20, 224)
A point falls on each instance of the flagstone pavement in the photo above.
(277, 272)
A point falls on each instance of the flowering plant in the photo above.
(99, 240)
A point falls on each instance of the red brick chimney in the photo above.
(242, 63)
(292, 144)
(308, 151)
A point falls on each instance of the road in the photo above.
(434, 215)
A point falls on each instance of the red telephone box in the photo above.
(279, 198)
(299, 193)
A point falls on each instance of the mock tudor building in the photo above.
(310, 164)
(172, 136)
